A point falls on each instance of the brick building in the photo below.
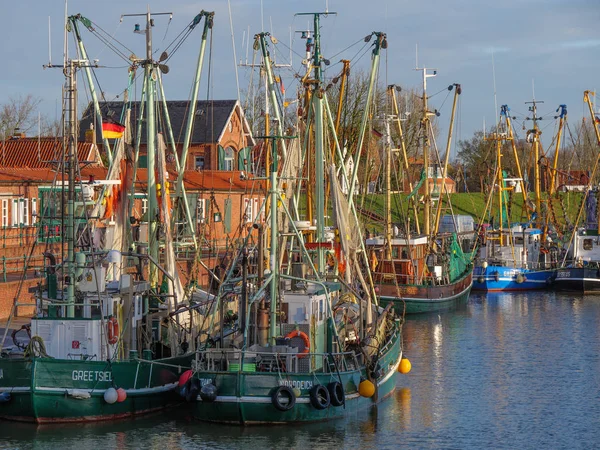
(221, 138)
(25, 165)
(223, 205)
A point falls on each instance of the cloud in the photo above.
(579, 44)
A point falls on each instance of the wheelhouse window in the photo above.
(588, 244)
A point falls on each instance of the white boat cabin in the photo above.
(586, 246)
(517, 247)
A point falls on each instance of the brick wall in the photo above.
(7, 296)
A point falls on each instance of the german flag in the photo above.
(112, 130)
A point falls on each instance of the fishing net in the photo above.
(459, 260)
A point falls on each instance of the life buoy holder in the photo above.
(112, 330)
(319, 397)
(283, 398)
(304, 337)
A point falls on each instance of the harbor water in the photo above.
(503, 371)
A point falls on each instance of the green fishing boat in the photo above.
(312, 343)
(107, 310)
(428, 269)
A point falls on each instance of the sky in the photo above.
(501, 52)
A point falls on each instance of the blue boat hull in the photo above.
(500, 278)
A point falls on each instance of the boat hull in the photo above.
(423, 299)
(44, 390)
(577, 279)
(499, 278)
(245, 397)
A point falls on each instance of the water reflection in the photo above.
(504, 371)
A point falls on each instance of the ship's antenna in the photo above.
(39, 137)
(483, 127)
(291, 46)
(262, 17)
(237, 78)
(416, 56)
(495, 96)
(49, 43)
(248, 44)
(66, 41)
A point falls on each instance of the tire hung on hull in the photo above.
(336, 393)
(283, 398)
(319, 397)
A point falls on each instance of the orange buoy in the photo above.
(404, 366)
(366, 389)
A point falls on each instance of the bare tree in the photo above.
(18, 115)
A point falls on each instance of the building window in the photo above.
(144, 207)
(25, 203)
(248, 217)
(4, 212)
(15, 212)
(199, 163)
(202, 208)
(33, 210)
(229, 158)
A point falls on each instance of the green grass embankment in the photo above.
(560, 210)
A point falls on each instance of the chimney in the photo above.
(90, 135)
(17, 134)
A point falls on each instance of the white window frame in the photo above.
(15, 212)
(144, 206)
(5, 212)
(26, 212)
(201, 207)
(248, 217)
(33, 210)
(228, 158)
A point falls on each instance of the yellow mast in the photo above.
(392, 92)
(457, 92)
(586, 98)
(338, 117)
(504, 110)
(535, 133)
(425, 131)
(554, 175)
(388, 191)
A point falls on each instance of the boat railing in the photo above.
(518, 264)
(280, 361)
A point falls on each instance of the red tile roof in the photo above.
(194, 180)
(218, 180)
(41, 153)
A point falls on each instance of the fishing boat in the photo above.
(428, 271)
(105, 310)
(516, 257)
(580, 267)
(311, 344)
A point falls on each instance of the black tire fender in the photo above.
(319, 397)
(283, 392)
(336, 393)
